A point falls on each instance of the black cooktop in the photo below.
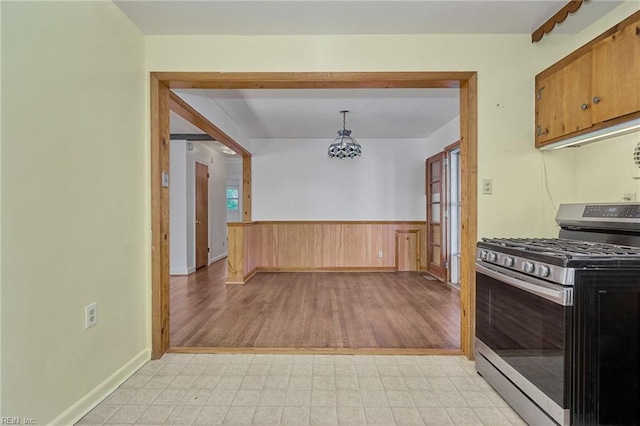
(560, 251)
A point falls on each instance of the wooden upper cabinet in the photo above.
(616, 74)
(594, 87)
(563, 100)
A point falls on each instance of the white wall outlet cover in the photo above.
(90, 315)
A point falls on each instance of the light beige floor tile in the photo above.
(295, 415)
(279, 369)
(476, 399)
(451, 399)
(388, 370)
(171, 370)
(239, 415)
(272, 397)
(323, 397)
(349, 398)
(407, 416)
(214, 369)
(158, 382)
(347, 382)
(363, 360)
(221, 397)
(464, 383)
(99, 414)
(128, 414)
(441, 383)
(253, 382)
(298, 397)
(136, 382)
(324, 382)
(379, 416)
(426, 398)
(303, 359)
(155, 414)
(145, 396)
(366, 370)
(435, 416)
(302, 369)
(426, 360)
(432, 371)
(323, 416)
(463, 416)
(193, 369)
(178, 358)
(323, 370)
(229, 382)
(236, 370)
(120, 396)
(276, 382)
(242, 359)
(150, 368)
(323, 359)
(491, 416)
(374, 398)
(411, 370)
(481, 383)
(202, 359)
(407, 360)
(445, 360)
(182, 382)
(343, 359)
(205, 382)
(384, 359)
(512, 416)
(258, 369)
(184, 415)
(394, 383)
(282, 359)
(351, 416)
(417, 383)
(195, 397)
(223, 358)
(399, 398)
(370, 383)
(170, 397)
(495, 398)
(262, 359)
(300, 382)
(247, 397)
(267, 416)
(344, 369)
(453, 370)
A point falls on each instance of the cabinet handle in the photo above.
(539, 131)
(596, 99)
(584, 106)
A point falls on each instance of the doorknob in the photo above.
(197, 222)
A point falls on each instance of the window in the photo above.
(232, 198)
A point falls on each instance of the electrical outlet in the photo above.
(380, 254)
(487, 186)
(90, 315)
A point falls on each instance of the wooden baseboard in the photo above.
(328, 269)
(319, 351)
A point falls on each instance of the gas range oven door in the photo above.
(523, 342)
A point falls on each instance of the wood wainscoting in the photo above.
(316, 246)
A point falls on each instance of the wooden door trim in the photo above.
(419, 251)
(160, 95)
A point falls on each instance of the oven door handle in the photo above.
(561, 295)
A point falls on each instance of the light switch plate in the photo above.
(487, 186)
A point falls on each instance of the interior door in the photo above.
(436, 225)
(202, 214)
(453, 214)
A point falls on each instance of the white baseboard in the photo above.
(191, 270)
(215, 259)
(78, 410)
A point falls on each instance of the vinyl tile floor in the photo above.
(209, 389)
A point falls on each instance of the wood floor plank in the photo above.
(314, 311)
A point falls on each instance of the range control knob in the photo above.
(483, 254)
(508, 262)
(543, 271)
(491, 257)
(528, 267)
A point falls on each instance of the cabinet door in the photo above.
(563, 101)
(616, 71)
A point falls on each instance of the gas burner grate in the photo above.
(564, 247)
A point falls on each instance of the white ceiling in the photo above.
(268, 17)
(178, 125)
(315, 113)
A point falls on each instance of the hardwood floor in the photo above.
(314, 310)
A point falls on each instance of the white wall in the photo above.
(443, 137)
(75, 208)
(179, 264)
(296, 180)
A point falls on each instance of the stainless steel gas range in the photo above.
(558, 319)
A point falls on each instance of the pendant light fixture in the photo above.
(344, 145)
